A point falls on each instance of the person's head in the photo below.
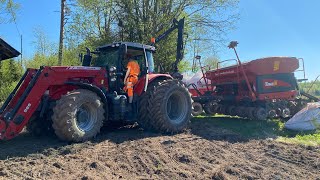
(127, 58)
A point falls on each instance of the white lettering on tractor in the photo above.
(270, 84)
(27, 108)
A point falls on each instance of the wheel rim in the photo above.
(285, 113)
(197, 108)
(86, 117)
(176, 107)
(261, 114)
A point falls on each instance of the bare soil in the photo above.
(202, 152)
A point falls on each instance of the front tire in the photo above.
(166, 106)
(78, 116)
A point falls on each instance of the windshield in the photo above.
(106, 58)
(150, 61)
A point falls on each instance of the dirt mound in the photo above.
(202, 152)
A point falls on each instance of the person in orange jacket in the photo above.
(131, 78)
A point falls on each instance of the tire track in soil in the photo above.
(203, 152)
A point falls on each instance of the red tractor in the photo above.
(76, 101)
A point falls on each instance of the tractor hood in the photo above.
(6, 51)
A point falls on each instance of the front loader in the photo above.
(76, 101)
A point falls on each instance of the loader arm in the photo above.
(180, 49)
(35, 84)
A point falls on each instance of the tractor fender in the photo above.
(139, 87)
(95, 89)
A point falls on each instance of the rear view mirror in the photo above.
(87, 58)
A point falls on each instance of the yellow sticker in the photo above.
(275, 83)
(276, 66)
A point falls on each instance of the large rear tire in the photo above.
(166, 106)
(78, 116)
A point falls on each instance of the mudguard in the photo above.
(139, 87)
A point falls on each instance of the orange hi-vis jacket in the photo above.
(133, 76)
(134, 68)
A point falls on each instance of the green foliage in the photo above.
(10, 73)
(311, 87)
(97, 22)
(8, 10)
(274, 128)
(208, 64)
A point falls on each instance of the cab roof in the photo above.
(129, 44)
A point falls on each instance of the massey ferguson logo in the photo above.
(27, 108)
(271, 84)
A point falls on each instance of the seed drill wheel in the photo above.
(272, 114)
(166, 106)
(210, 108)
(197, 109)
(223, 109)
(285, 113)
(250, 113)
(219, 109)
(240, 111)
(231, 111)
(78, 116)
(260, 114)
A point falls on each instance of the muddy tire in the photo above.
(78, 116)
(165, 107)
(210, 108)
(197, 109)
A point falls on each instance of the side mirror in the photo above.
(80, 57)
(87, 58)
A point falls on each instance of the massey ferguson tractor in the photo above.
(76, 101)
(259, 89)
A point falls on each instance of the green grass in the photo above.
(274, 128)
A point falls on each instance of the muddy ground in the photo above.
(202, 152)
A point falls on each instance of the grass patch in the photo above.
(251, 129)
(305, 139)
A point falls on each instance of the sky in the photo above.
(266, 28)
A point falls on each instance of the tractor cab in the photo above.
(115, 57)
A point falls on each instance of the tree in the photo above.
(8, 10)
(41, 42)
(62, 23)
(10, 72)
(46, 52)
(97, 22)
